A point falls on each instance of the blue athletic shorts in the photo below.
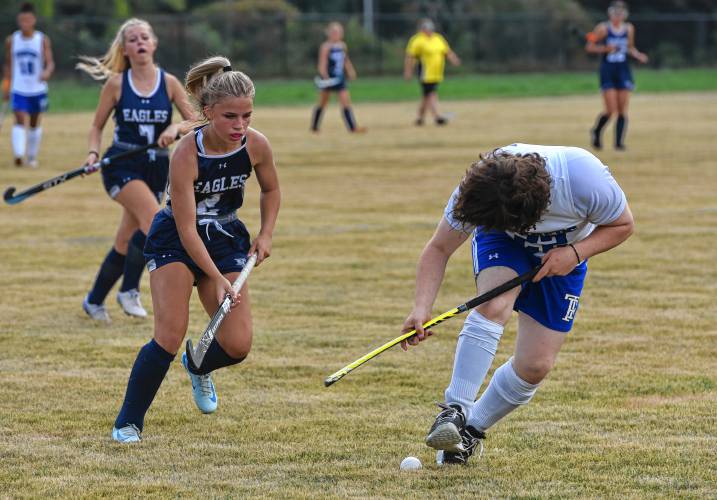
(553, 301)
(616, 76)
(30, 104)
(228, 251)
(151, 168)
(339, 86)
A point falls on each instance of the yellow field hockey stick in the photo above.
(474, 302)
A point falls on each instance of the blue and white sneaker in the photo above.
(202, 389)
(127, 434)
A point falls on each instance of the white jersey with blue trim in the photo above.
(28, 62)
(583, 195)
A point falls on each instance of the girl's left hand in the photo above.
(262, 246)
(168, 136)
(558, 261)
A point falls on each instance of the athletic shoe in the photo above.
(127, 434)
(620, 147)
(595, 139)
(441, 120)
(32, 163)
(471, 439)
(98, 312)
(418, 122)
(203, 391)
(445, 433)
(18, 162)
(130, 304)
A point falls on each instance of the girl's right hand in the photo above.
(223, 288)
(415, 321)
(92, 158)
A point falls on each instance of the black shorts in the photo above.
(429, 87)
(151, 168)
(228, 245)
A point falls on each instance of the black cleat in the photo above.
(471, 439)
(441, 120)
(445, 433)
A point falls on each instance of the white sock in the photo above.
(477, 344)
(33, 142)
(18, 141)
(504, 394)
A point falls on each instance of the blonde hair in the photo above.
(213, 79)
(114, 61)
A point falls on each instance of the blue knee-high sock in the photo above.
(215, 358)
(620, 129)
(316, 118)
(110, 271)
(147, 374)
(134, 264)
(349, 119)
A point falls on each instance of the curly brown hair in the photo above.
(504, 192)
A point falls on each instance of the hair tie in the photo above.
(226, 68)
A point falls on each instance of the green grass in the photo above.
(70, 96)
(627, 412)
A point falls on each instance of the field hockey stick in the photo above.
(13, 199)
(196, 356)
(324, 83)
(474, 302)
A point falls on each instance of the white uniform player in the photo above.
(580, 211)
(28, 64)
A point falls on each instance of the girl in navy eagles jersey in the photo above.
(615, 40)
(334, 66)
(141, 96)
(198, 240)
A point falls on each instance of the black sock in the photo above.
(620, 129)
(215, 358)
(147, 375)
(316, 118)
(134, 264)
(110, 271)
(597, 129)
(349, 119)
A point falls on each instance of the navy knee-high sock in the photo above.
(316, 118)
(215, 358)
(597, 129)
(134, 264)
(620, 128)
(110, 271)
(147, 374)
(349, 119)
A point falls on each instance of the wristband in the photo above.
(92, 151)
(577, 255)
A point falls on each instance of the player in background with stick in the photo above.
(334, 66)
(28, 65)
(198, 239)
(521, 205)
(430, 49)
(615, 40)
(141, 95)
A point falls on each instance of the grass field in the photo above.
(629, 410)
(68, 96)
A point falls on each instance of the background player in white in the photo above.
(28, 64)
(523, 205)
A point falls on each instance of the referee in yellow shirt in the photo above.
(431, 50)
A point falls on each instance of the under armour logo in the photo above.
(492, 256)
(222, 165)
(572, 306)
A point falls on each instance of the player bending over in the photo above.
(198, 240)
(521, 205)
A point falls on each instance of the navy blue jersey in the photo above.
(141, 119)
(219, 188)
(337, 57)
(618, 39)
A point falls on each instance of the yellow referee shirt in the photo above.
(431, 52)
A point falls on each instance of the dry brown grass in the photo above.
(628, 411)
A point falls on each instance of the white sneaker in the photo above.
(32, 163)
(127, 434)
(130, 304)
(95, 311)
